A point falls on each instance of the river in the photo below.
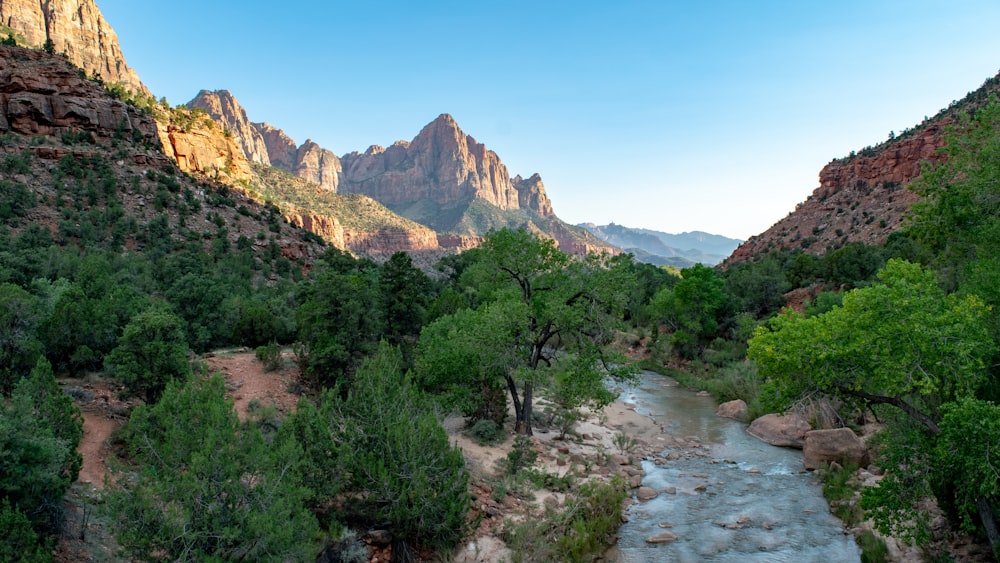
(731, 497)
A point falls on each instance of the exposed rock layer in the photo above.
(443, 165)
(223, 108)
(76, 28)
(863, 198)
(44, 95)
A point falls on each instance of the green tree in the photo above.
(210, 488)
(900, 342)
(39, 433)
(381, 456)
(340, 318)
(19, 344)
(691, 308)
(405, 293)
(151, 352)
(542, 308)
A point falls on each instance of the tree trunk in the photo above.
(523, 424)
(989, 523)
(518, 412)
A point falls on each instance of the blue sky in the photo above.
(707, 115)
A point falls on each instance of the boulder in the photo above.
(646, 493)
(838, 445)
(736, 410)
(787, 430)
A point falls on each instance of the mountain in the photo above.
(665, 249)
(77, 29)
(443, 179)
(863, 197)
(89, 169)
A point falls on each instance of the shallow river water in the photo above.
(736, 498)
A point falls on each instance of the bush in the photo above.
(521, 456)
(211, 488)
(581, 531)
(151, 352)
(270, 356)
(486, 433)
(19, 542)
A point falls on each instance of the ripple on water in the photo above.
(759, 506)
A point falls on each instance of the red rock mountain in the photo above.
(76, 28)
(443, 165)
(443, 178)
(863, 197)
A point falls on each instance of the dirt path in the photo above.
(247, 380)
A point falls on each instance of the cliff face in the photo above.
(42, 95)
(206, 151)
(863, 198)
(443, 165)
(223, 108)
(76, 28)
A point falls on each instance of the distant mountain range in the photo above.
(665, 249)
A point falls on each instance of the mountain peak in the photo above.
(76, 28)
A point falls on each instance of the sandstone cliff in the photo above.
(863, 198)
(203, 149)
(221, 106)
(442, 165)
(76, 28)
(44, 95)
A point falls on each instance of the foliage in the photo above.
(965, 456)
(39, 433)
(691, 307)
(901, 341)
(209, 488)
(340, 319)
(542, 316)
(521, 456)
(269, 355)
(405, 296)
(19, 541)
(151, 352)
(581, 530)
(381, 455)
(19, 346)
(486, 433)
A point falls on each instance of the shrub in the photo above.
(521, 456)
(270, 356)
(581, 531)
(486, 433)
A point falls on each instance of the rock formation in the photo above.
(863, 198)
(787, 430)
(44, 95)
(317, 165)
(442, 165)
(204, 151)
(223, 108)
(76, 28)
(840, 445)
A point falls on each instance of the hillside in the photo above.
(90, 169)
(863, 197)
(665, 249)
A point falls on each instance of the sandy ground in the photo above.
(247, 380)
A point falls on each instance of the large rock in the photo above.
(223, 108)
(780, 430)
(44, 95)
(736, 409)
(839, 445)
(76, 28)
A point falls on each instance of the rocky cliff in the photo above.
(222, 107)
(442, 165)
(43, 95)
(863, 198)
(76, 28)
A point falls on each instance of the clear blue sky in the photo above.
(673, 115)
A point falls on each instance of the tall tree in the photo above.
(541, 311)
